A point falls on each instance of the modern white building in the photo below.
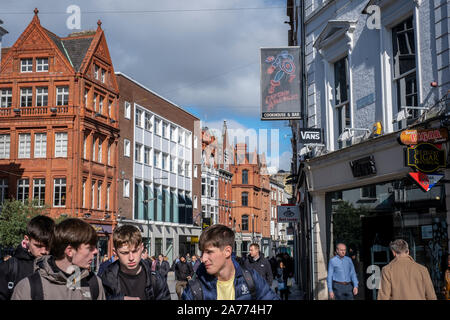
(160, 149)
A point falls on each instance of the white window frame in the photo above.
(24, 145)
(96, 69)
(99, 194)
(138, 152)
(40, 145)
(62, 96)
(94, 101)
(61, 142)
(108, 190)
(158, 125)
(109, 154)
(157, 159)
(6, 97)
(37, 183)
(126, 148)
(195, 171)
(59, 184)
(25, 185)
(127, 110)
(27, 94)
(92, 194)
(100, 104)
(147, 155)
(93, 148)
(41, 64)
(109, 107)
(148, 121)
(83, 193)
(5, 146)
(103, 75)
(41, 96)
(165, 161)
(138, 118)
(126, 188)
(100, 151)
(26, 65)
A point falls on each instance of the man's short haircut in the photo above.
(399, 246)
(218, 236)
(340, 243)
(255, 245)
(41, 228)
(73, 232)
(127, 234)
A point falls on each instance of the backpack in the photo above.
(13, 271)
(37, 292)
(196, 287)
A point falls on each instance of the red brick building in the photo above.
(251, 191)
(58, 125)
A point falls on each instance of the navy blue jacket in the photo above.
(242, 292)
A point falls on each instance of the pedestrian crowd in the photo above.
(54, 262)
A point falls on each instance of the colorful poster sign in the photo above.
(426, 181)
(410, 137)
(280, 83)
(426, 157)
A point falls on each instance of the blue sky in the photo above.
(203, 55)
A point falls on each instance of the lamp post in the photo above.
(147, 219)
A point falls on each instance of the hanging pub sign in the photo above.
(425, 157)
(411, 137)
(426, 181)
(280, 83)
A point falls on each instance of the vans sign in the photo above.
(310, 136)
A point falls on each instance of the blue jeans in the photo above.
(343, 291)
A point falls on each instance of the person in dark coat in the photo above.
(282, 276)
(259, 263)
(162, 266)
(131, 277)
(183, 273)
(35, 244)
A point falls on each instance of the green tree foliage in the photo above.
(347, 224)
(14, 217)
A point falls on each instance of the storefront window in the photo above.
(367, 219)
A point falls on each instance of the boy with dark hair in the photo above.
(130, 277)
(220, 277)
(35, 244)
(64, 274)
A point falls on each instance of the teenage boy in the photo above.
(64, 274)
(34, 245)
(130, 277)
(220, 277)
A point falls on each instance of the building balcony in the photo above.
(35, 111)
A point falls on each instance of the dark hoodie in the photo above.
(24, 261)
(262, 266)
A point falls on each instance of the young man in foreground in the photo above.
(130, 277)
(34, 245)
(64, 274)
(220, 277)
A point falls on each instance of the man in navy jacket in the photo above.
(220, 277)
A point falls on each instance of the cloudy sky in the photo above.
(202, 55)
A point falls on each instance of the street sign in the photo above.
(426, 157)
(426, 181)
(288, 213)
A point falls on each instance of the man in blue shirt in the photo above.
(341, 280)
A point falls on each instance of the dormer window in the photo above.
(26, 65)
(42, 65)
